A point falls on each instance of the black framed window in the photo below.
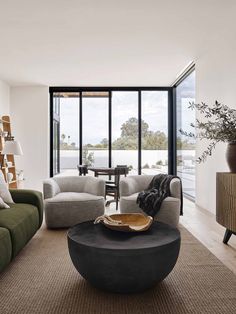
(184, 91)
(125, 131)
(55, 133)
(110, 126)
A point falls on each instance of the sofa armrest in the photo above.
(94, 186)
(128, 187)
(134, 184)
(29, 197)
(175, 188)
(50, 188)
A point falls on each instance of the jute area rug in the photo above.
(42, 279)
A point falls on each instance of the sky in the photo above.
(124, 106)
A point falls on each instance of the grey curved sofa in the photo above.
(69, 200)
(132, 185)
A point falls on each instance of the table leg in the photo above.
(227, 236)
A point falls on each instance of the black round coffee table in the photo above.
(123, 262)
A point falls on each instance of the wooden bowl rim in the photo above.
(126, 227)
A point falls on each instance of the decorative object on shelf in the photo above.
(220, 127)
(8, 148)
(126, 222)
(226, 203)
(4, 134)
(9, 177)
(20, 175)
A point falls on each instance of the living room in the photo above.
(89, 86)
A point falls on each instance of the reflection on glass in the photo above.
(55, 147)
(154, 132)
(125, 130)
(69, 131)
(95, 129)
(185, 93)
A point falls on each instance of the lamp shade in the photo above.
(12, 148)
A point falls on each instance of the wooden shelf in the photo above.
(4, 121)
(6, 128)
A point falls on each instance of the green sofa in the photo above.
(19, 223)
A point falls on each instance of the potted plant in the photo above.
(219, 125)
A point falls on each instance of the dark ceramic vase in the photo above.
(231, 156)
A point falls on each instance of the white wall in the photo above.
(215, 80)
(29, 112)
(4, 98)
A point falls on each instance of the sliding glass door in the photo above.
(185, 161)
(109, 127)
(68, 137)
(125, 129)
(55, 125)
(95, 128)
(154, 127)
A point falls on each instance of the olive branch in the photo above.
(220, 126)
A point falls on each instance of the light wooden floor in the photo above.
(202, 224)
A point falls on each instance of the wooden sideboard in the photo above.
(226, 202)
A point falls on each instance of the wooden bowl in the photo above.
(126, 222)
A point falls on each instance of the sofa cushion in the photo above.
(4, 192)
(3, 204)
(22, 221)
(73, 197)
(71, 183)
(5, 248)
(68, 208)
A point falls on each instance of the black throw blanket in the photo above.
(151, 199)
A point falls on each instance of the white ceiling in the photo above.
(107, 42)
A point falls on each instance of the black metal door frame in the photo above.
(79, 90)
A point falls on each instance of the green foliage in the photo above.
(184, 144)
(88, 158)
(125, 143)
(128, 139)
(154, 140)
(63, 137)
(104, 142)
(99, 146)
(129, 129)
(146, 166)
(220, 126)
(66, 145)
